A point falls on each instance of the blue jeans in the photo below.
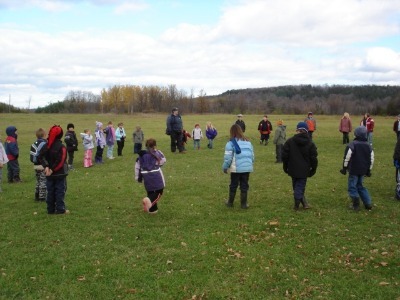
(369, 137)
(110, 149)
(56, 188)
(196, 144)
(356, 189)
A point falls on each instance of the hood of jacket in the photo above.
(10, 131)
(301, 139)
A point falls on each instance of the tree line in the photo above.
(291, 99)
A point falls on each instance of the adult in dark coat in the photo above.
(175, 131)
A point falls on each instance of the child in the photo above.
(265, 128)
(239, 158)
(396, 162)
(197, 135)
(87, 140)
(358, 160)
(12, 151)
(72, 144)
(40, 189)
(311, 123)
(138, 138)
(299, 157)
(3, 161)
(53, 160)
(120, 136)
(185, 136)
(279, 140)
(148, 169)
(345, 127)
(109, 131)
(100, 143)
(211, 133)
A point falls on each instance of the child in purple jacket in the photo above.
(148, 170)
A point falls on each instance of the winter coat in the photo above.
(396, 126)
(87, 141)
(211, 133)
(197, 134)
(241, 124)
(11, 145)
(311, 123)
(55, 159)
(148, 169)
(138, 137)
(71, 141)
(299, 156)
(265, 127)
(396, 155)
(120, 134)
(280, 135)
(3, 155)
(239, 162)
(358, 157)
(174, 124)
(110, 135)
(100, 138)
(345, 125)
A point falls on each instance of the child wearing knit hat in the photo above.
(72, 144)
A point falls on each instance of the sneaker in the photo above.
(153, 212)
(146, 204)
(65, 212)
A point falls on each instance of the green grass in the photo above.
(195, 247)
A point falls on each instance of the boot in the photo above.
(36, 196)
(356, 204)
(296, 204)
(243, 200)
(229, 202)
(305, 203)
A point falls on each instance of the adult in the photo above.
(175, 131)
(311, 123)
(396, 127)
(265, 128)
(300, 161)
(369, 123)
(240, 122)
(345, 127)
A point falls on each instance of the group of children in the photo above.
(197, 135)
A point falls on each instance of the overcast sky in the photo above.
(50, 47)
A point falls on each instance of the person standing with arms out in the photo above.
(12, 151)
(265, 128)
(120, 135)
(299, 157)
(241, 123)
(53, 160)
(100, 143)
(345, 127)
(358, 161)
(138, 138)
(72, 144)
(211, 133)
(88, 145)
(3, 161)
(279, 140)
(175, 131)
(109, 131)
(148, 170)
(239, 159)
(396, 127)
(311, 124)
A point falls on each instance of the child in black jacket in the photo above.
(72, 144)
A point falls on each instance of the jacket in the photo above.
(299, 156)
(197, 134)
(211, 133)
(345, 125)
(280, 135)
(110, 135)
(358, 157)
(148, 169)
(239, 162)
(265, 127)
(311, 123)
(174, 123)
(3, 155)
(87, 141)
(396, 126)
(100, 138)
(396, 154)
(242, 124)
(55, 159)
(120, 134)
(71, 141)
(11, 143)
(138, 137)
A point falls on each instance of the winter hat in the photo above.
(99, 124)
(310, 113)
(70, 125)
(240, 115)
(55, 132)
(280, 122)
(175, 109)
(302, 126)
(361, 133)
(10, 131)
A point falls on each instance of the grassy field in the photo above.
(195, 247)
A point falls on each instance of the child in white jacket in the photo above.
(197, 135)
(88, 145)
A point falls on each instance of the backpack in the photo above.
(36, 148)
(310, 124)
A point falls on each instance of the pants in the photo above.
(137, 147)
(239, 179)
(70, 158)
(210, 144)
(120, 146)
(154, 197)
(196, 144)
(13, 170)
(176, 141)
(310, 134)
(87, 159)
(99, 154)
(110, 149)
(356, 189)
(369, 137)
(41, 189)
(56, 189)
(346, 139)
(299, 187)
(264, 137)
(278, 150)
